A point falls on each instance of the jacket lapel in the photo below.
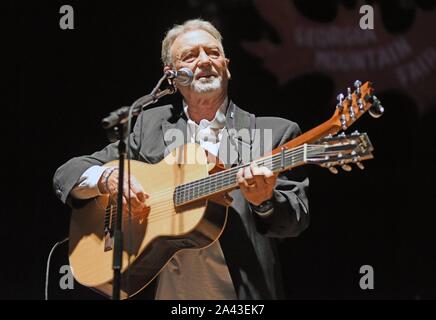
(235, 146)
(174, 134)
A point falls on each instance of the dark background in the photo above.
(59, 85)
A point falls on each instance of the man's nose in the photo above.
(203, 59)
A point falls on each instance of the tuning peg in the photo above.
(360, 165)
(360, 104)
(355, 133)
(346, 167)
(352, 114)
(344, 122)
(349, 97)
(333, 170)
(376, 110)
(340, 99)
(357, 85)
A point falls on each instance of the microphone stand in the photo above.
(117, 120)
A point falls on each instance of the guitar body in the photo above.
(149, 241)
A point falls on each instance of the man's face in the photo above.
(201, 52)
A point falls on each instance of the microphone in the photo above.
(183, 76)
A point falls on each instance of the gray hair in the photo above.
(177, 30)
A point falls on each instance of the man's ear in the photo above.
(166, 68)
(229, 75)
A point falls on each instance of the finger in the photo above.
(248, 176)
(266, 172)
(240, 174)
(255, 170)
(267, 175)
(138, 189)
(125, 205)
(259, 180)
(243, 183)
(113, 185)
(246, 184)
(241, 180)
(247, 173)
(271, 180)
(262, 175)
(133, 198)
(134, 209)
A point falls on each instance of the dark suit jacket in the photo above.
(249, 240)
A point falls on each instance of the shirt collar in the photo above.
(218, 122)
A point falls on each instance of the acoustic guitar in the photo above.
(180, 186)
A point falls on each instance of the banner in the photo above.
(346, 52)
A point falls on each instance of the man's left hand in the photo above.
(256, 183)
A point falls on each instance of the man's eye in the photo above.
(189, 58)
(214, 54)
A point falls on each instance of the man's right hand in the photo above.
(108, 184)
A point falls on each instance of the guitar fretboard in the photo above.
(226, 180)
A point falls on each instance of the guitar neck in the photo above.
(226, 180)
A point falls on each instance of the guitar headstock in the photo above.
(340, 150)
(355, 103)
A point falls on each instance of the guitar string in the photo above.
(205, 181)
(224, 180)
(188, 189)
(156, 199)
(232, 170)
(159, 210)
(221, 176)
(165, 194)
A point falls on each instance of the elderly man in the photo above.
(243, 263)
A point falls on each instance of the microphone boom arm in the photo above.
(121, 115)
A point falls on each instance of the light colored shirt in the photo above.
(199, 274)
(87, 186)
(207, 133)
